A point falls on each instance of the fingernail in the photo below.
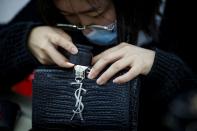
(91, 74)
(99, 82)
(74, 50)
(68, 64)
(115, 81)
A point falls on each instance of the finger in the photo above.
(43, 58)
(113, 69)
(62, 33)
(103, 62)
(131, 74)
(47, 60)
(113, 49)
(58, 58)
(64, 42)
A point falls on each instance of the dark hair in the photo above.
(135, 15)
(132, 16)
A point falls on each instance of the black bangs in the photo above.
(125, 21)
(49, 13)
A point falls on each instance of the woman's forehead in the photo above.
(79, 5)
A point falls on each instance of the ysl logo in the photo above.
(79, 76)
(79, 105)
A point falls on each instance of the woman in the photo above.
(164, 74)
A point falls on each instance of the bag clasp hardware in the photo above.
(80, 72)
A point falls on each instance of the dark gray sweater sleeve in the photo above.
(169, 77)
(16, 61)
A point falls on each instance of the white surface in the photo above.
(23, 124)
(24, 121)
(9, 8)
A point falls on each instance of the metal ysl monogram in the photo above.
(79, 76)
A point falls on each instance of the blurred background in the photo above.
(21, 92)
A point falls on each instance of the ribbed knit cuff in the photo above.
(166, 64)
(16, 61)
(170, 75)
(26, 58)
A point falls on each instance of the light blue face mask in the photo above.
(102, 36)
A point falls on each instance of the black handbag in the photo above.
(64, 99)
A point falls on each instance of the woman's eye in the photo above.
(66, 14)
(94, 14)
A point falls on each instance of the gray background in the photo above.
(9, 8)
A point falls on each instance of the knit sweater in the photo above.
(172, 73)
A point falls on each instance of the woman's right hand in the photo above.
(43, 42)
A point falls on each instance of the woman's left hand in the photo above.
(124, 55)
